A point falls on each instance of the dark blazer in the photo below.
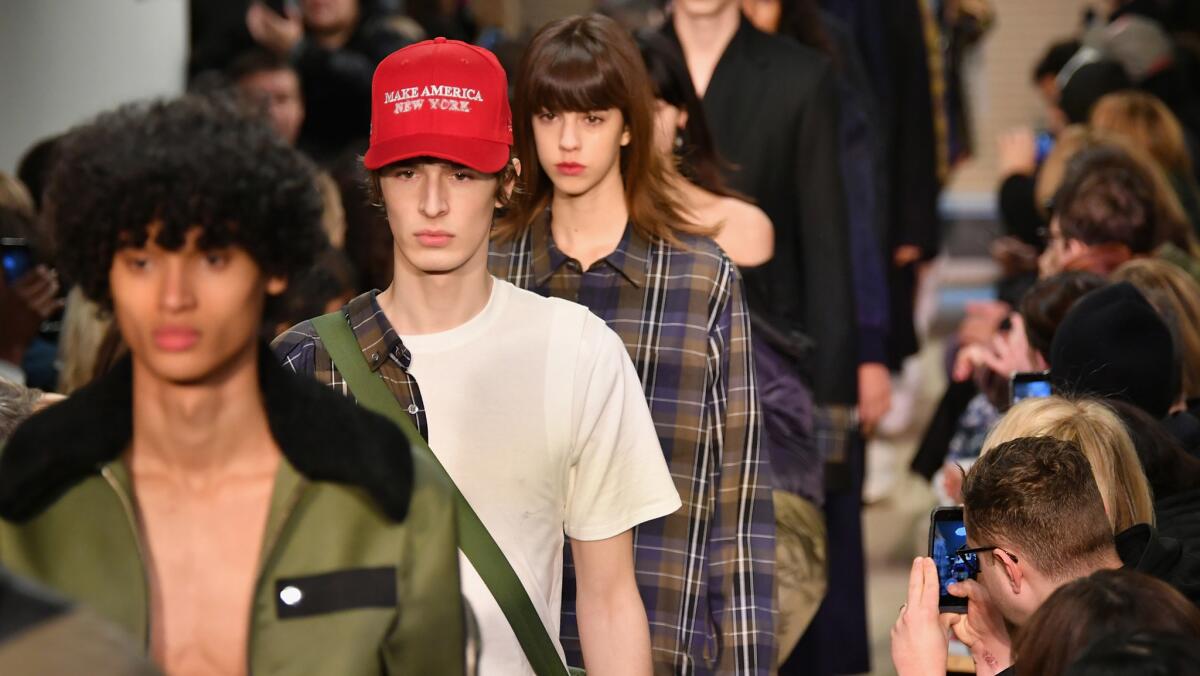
(772, 108)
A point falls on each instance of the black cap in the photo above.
(1113, 344)
(1089, 84)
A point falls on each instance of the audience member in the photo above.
(187, 495)
(1084, 81)
(328, 285)
(1150, 126)
(1035, 521)
(334, 46)
(1104, 603)
(1139, 654)
(29, 292)
(1173, 474)
(1113, 344)
(1093, 428)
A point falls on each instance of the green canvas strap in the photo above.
(473, 538)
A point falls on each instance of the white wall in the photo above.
(63, 61)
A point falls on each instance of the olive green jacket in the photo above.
(358, 570)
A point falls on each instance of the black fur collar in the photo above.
(323, 434)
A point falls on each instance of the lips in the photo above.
(569, 168)
(175, 338)
(434, 238)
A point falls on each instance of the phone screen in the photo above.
(948, 533)
(16, 258)
(1030, 384)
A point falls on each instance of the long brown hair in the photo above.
(1106, 602)
(586, 63)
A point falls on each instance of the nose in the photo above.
(433, 196)
(175, 288)
(568, 135)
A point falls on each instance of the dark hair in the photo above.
(698, 158)
(1139, 654)
(331, 277)
(802, 20)
(1169, 468)
(1107, 197)
(1046, 303)
(256, 61)
(35, 166)
(1056, 56)
(1102, 603)
(1021, 492)
(190, 162)
(586, 63)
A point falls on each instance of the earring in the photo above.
(678, 140)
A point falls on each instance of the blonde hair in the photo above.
(1102, 437)
(1163, 282)
(84, 327)
(1148, 123)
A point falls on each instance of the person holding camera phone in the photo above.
(1035, 521)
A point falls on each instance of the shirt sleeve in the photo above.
(296, 348)
(742, 543)
(618, 475)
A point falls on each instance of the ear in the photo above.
(626, 137)
(1016, 577)
(1073, 250)
(683, 118)
(276, 285)
(511, 182)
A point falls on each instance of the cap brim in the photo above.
(478, 154)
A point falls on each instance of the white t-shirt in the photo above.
(535, 410)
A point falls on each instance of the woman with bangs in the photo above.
(596, 221)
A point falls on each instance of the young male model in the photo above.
(232, 517)
(531, 404)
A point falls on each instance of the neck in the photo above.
(1041, 587)
(205, 431)
(704, 38)
(589, 226)
(418, 302)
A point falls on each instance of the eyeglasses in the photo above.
(970, 556)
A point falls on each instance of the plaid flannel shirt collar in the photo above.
(376, 337)
(630, 258)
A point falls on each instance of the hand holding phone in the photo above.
(947, 535)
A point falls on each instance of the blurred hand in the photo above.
(981, 629)
(279, 34)
(874, 395)
(919, 640)
(24, 305)
(982, 321)
(1006, 353)
(1018, 152)
(906, 254)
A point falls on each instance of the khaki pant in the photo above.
(800, 573)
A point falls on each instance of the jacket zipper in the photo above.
(270, 540)
(131, 514)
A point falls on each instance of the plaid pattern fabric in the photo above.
(706, 572)
(300, 349)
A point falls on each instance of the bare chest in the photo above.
(203, 547)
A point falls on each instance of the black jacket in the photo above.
(1178, 517)
(772, 107)
(1141, 548)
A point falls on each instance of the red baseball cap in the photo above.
(440, 98)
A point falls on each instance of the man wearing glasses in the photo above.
(1035, 521)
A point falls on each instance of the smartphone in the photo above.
(1029, 384)
(16, 258)
(947, 534)
(1043, 144)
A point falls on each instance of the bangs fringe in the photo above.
(573, 79)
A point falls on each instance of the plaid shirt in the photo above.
(300, 349)
(706, 572)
